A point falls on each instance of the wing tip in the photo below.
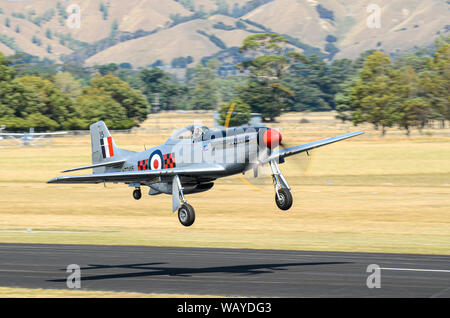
(54, 180)
(353, 134)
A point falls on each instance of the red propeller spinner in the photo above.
(272, 138)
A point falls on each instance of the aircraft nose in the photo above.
(272, 138)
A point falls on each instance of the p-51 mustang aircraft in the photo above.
(190, 161)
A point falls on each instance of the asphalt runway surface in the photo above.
(224, 272)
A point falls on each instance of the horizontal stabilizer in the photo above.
(118, 164)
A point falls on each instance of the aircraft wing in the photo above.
(11, 135)
(137, 176)
(59, 133)
(280, 154)
(33, 134)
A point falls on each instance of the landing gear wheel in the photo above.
(137, 194)
(285, 201)
(186, 215)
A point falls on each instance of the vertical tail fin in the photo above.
(103, 147)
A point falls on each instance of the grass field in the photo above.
(369, 194)
(54, 293)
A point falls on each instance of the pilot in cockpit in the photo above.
(198, 133)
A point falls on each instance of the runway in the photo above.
(224, 272)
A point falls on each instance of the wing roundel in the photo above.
(156, 160)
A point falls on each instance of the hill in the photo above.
(143, 31)
(196, 38)
(404, 24)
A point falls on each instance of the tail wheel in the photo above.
(186, 215)
(284, 199)
(137, 194)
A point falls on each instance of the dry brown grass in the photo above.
(54, 293)
(366, 194)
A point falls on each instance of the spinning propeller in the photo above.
(261, 175)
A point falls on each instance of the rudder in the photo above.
(103, 147)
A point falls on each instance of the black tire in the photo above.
(137, 194)
(186, 215)
(286, 199)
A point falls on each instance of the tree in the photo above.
(41, 122)
(316, 83)
(163, 87)
(16, 99)
(228, 87)
(107, 68)
(307, 95)
(235, 113)
(414, 109)
(373, 98)
(436, 81)
(36, 40)
(67, 84)
(31, 101)
(203, 86)
(97, 104)
(264, 92)
(343, 101)
(6, 72)
(44, 98)
(268, 100)
(417, 60)
(133, 101)
(413, 112)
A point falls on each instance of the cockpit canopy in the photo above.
(193, 132)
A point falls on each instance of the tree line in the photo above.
(407, 91)
(61, 102)
(410, 91)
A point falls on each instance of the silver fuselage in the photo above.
(235, 149)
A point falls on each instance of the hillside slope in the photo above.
(404, 24)
(171, 27)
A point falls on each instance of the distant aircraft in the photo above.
(190, 161)
(28, 139)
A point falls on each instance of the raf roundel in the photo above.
(156, 160)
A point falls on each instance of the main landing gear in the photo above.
(186, 213)
(284, 199)
(283, 196)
